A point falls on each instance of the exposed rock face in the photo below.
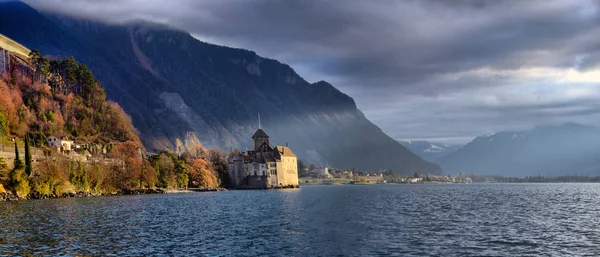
(173, 85)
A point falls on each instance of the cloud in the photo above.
(418, 69)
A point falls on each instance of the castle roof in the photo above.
(260, 133)
(269, 158)
(264, 148)
(285, 151)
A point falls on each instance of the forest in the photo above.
(63, 99)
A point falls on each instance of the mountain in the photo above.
(429, 151)
(568, 149)
(179, 90)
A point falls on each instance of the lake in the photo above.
(346, 220)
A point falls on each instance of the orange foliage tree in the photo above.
(202, 175)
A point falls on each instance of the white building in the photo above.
(62, 144)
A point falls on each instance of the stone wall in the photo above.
(256, 182)
(287, 171)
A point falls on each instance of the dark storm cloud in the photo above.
(416, 68)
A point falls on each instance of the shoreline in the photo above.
(10, 197)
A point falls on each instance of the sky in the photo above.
(443, 71)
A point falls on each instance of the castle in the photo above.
(264, 167)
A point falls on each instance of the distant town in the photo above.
(315, 175)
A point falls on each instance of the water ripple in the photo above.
(378, 220)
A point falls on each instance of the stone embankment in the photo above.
(6, 196)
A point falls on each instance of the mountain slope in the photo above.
(180, 90)
(568, 149)
(429, 151)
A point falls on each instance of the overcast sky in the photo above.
(432, 70)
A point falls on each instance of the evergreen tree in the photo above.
(18, 162)
(18, 178)
(28, 167)
(40, 64)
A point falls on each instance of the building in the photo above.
(321, 172)
(14, 57)
(264, 167)
(62, 144)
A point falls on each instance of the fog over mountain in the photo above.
(179, 90)
(428, 150)
(438, 71)
(568, 149)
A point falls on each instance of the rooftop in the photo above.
(260, 133)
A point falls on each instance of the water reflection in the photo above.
(447, 220)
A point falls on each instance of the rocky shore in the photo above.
(35, 195)
(6, 196)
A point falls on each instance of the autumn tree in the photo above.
(202, 175)
(51, 177)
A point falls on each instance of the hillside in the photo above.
(180, 91)
(429, 151)
(72, 104)
(568, 149)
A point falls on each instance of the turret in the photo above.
(259, 138)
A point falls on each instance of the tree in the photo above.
(219, 163)
(3, 173)
(41, 65)
(18, 179)
(201, 174)
(164, 167)
(28, 167)
(301, 166)
(3, 166)
(18, 164)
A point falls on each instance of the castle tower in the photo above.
(259, 138)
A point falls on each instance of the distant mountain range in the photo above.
(180, 91)
(429, 151)
(568, 149)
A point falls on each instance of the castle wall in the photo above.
(255, 169)
(256, 182)
(236, 171)
(287, 171)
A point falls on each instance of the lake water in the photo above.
(403, 220)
